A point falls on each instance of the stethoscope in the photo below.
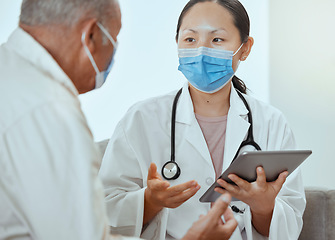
(171, 170)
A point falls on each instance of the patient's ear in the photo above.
(91, 34)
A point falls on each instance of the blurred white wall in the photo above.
(302, 79)
(9, 17)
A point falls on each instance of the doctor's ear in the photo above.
(246, 49)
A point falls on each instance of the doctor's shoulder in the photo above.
(270, 121)
(264, 111)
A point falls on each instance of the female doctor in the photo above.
(211, 121)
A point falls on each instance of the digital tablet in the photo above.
(244, 166)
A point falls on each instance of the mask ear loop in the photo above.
(238, 64)
(103, 29)
(238, 49)
(89, 53)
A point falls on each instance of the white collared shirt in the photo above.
(49, 187)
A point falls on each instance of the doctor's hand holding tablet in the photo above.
(259, 195)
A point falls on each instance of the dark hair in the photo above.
(241, 21)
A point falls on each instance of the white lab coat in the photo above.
(143, 136)
(49, 188)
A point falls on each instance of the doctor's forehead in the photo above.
(207, 16)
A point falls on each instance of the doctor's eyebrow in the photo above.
(218, 30)
(189, 30)
(195, 31)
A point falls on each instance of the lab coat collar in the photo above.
(27, 47)
(237, 127)
(185, 109)
(236, 103)
(236, 131)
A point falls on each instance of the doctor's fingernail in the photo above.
(259, 169)
(232, 177)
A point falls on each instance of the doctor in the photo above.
(211, 122)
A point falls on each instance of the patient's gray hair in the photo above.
(65, 12)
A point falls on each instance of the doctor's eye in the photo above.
(189, 40)
(218, 40)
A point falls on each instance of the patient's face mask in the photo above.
(100, 77)
(207, 69)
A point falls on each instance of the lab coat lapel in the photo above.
(192, 131)
(195, 137)
(237, 127)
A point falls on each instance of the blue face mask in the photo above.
(100, 77)
(207, 69)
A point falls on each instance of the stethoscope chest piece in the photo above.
(170, 170)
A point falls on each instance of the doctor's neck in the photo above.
(211, 105)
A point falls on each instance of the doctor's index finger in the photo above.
(182, 187)
(183, 196)
(158, 185)
(241, 183)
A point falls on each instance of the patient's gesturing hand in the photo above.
(211, 227)
(159, 194)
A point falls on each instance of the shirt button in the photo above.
(209, 181)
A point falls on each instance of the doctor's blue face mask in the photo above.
(100, 77)
(207, 69)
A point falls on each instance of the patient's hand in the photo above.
(211, 225)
